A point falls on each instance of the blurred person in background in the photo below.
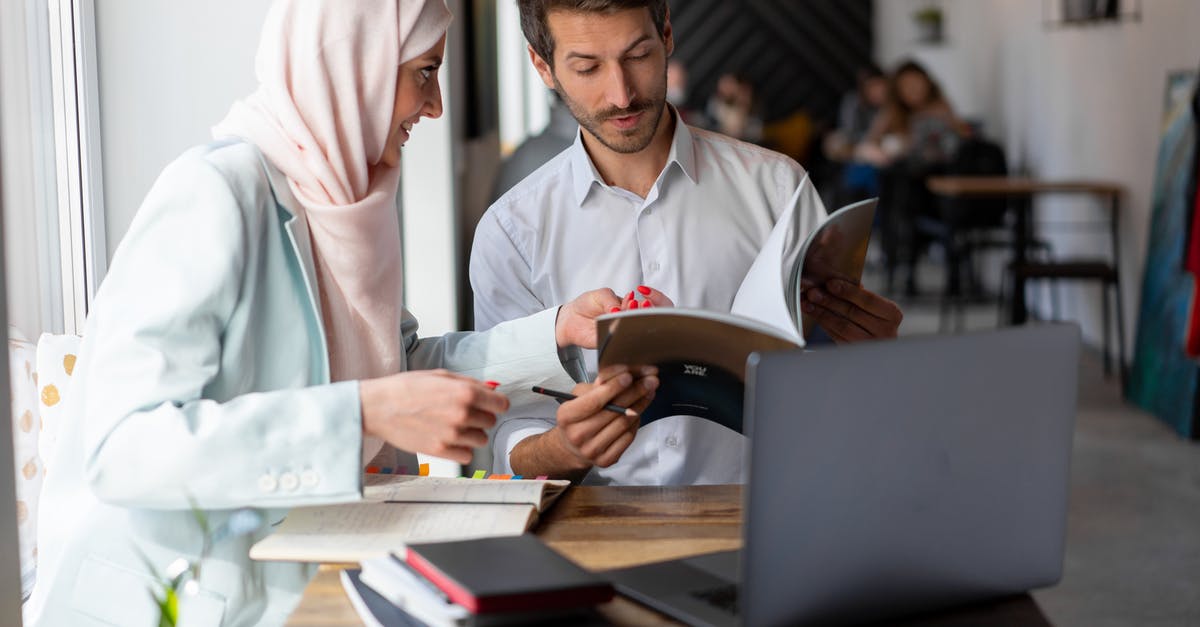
(856, 113)
(677, 93)
(733, 111)
(916, 124)
(912, 138)
(538, 149)
(853, 179)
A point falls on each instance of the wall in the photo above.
(168, 71)
(1079, 102)
(800, 56)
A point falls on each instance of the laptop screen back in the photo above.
(899, 476)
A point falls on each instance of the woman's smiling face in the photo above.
(418, 95)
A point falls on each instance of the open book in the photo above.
(701, 355)
(400, 509)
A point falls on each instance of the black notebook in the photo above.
(515, 573)
(371, 606)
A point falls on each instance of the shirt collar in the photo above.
(584, 173)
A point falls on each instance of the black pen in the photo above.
(565, 396)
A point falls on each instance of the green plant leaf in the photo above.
(201, 517)
(168, 610)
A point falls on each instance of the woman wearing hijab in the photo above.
(249, 347)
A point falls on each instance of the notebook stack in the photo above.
(489, 581)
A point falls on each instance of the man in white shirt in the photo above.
(639, 199)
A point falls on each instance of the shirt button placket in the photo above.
(650, 237)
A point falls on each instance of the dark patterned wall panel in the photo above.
(800, 54)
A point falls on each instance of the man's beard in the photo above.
(625, 142)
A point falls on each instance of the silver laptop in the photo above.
(890, 478)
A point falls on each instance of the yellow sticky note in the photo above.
(479, 474)
(424, 472)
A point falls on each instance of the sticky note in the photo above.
(479, 474)
(542, 477)
(500, 477)
(373, 470)
(403, 470)
(516, 477)
(424, 470)
(385, 470)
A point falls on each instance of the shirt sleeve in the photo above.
(500, 278)
(810, 209)
(150, 435)
(518, 353)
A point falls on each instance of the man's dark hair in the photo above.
(537, 31)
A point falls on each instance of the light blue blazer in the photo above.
(203, 373)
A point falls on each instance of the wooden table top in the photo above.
(615, 527)
(597, 528)
(977, 186)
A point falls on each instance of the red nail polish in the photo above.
(633, 305)
(492, 384)
(614, 310)
(644, 290)
(629, 296)
(647, 305)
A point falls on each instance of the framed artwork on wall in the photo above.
(1056, 13)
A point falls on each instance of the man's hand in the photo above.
(587, 434)
(430, 411)
(850, 313)
(576, 323)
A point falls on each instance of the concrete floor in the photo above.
(1133, 541)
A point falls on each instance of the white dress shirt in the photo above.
(563, 231)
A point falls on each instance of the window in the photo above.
(52, 196)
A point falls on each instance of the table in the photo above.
(1022, 190)
(612, 527)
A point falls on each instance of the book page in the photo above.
(357, 531)
(413, 489)
(762, 294)
(837, 249)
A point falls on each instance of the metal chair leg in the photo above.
(1122, 370)
(1105, 329)
(1000, 300)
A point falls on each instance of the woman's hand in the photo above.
(434, 412)
(576, 324)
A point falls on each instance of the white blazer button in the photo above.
(267, 483)
(672, 442)
(309, 479)
(289, 481)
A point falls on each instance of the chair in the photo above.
(39, 379)
(1106, 272)
(966, 226)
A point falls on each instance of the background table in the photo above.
(1022, 190)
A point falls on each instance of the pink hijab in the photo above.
(321, 114)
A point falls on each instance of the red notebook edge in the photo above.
(547, 600)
